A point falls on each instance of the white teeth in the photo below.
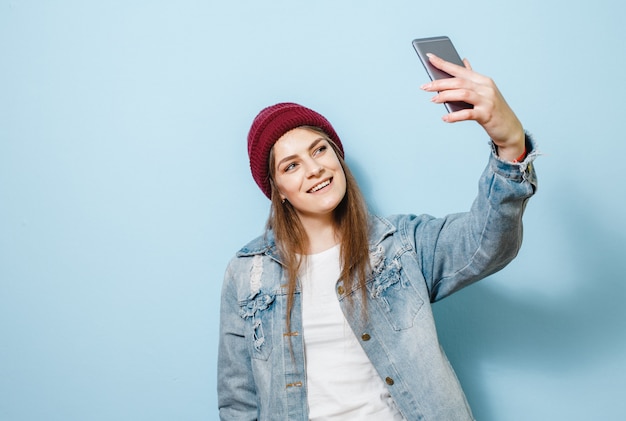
(320, 186)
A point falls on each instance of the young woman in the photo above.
(327, 315)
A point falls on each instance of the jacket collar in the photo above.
(380, 228)
(263, 244)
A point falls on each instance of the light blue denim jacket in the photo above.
(415, 260)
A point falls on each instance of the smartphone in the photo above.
(441, 47)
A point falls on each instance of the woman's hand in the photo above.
(490, 108)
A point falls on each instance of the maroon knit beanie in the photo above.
(269, 125)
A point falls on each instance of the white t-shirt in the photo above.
(342, 383)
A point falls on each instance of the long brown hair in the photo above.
(350, 220)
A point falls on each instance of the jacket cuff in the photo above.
(522, 171)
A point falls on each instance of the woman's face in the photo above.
(308, 174)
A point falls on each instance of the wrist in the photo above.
(513, 151)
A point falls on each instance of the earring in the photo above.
(283, 201)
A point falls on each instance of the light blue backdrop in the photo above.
(124, 189)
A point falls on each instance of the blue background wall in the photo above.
(124, 189)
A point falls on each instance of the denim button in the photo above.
(340, 290)
(389, 381)
(366, 336)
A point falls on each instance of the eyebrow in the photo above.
(290, 157)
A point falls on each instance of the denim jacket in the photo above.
(415, 260)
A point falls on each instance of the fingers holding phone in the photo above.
(463, 86)
(467, 95)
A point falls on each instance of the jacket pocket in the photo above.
(395, 295)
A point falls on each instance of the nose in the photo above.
(315, 170)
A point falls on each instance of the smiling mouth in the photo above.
(320, 186)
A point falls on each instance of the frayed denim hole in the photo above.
(377, 259)
(388, 277)
(259, 337)
(395, 295)
(256, 271)
(256, 302)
